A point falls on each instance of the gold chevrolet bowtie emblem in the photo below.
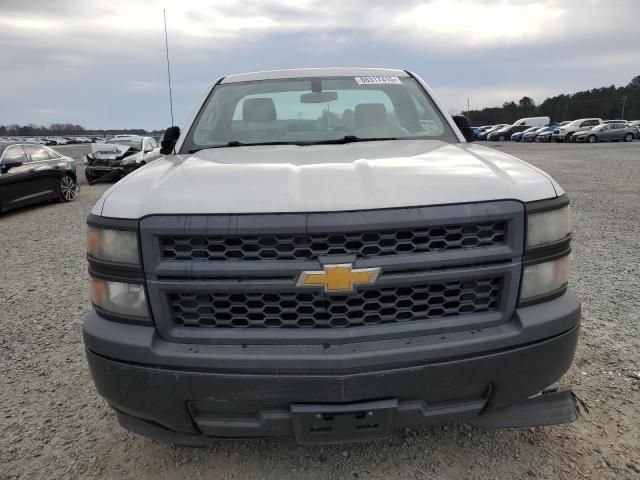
(338, 278)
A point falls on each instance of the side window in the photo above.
(151, 143)
(36, 153)
(14, 154)
(52, 154)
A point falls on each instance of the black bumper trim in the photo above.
(180, 400)
(135, 344)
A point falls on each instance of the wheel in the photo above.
(501, 138)
(628, 137)
(68, 188)
(89, 176)
(592, 139)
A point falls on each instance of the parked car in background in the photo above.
(565, 132)
(32, 173)
(533, 135)
(607, 132)
(548, 133)
(516, 137)
(517, 126)
(483, 135)
(119, 156)
(478, 130)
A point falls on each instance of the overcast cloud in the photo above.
(100, 63)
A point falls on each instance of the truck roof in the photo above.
(315, 72)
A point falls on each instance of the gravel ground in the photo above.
(54, 425)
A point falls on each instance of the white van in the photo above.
(532, 122)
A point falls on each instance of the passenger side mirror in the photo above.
(169, 140)
(463, 124)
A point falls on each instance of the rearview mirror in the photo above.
(318, 97)
(169, 140)
(463, 124)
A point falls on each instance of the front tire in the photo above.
(592, 139)
(501, 138)
(68, 188)
(628, 137)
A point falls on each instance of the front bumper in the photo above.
(108, 171)
(191, 393)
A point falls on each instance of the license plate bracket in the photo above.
(326, 423)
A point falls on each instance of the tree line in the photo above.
(605, 102)
(64, 129)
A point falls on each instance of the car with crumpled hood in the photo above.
(119, 156)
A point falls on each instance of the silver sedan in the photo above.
(607, 132)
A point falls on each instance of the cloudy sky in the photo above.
(100, 63)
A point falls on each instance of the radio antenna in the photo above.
(166, 44)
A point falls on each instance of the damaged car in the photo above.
(118, 157)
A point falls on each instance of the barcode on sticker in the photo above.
(378, 81)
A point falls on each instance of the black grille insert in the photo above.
(364, 244)
(315, 309)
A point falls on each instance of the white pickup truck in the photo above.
(321, 254)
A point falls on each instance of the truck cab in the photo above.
(321, 254)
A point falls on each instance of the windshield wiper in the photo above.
(333, 141)
(236, 143)
(350, 139)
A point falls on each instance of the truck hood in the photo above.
(324, 178)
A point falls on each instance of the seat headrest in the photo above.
(258, 110)
(369, 115)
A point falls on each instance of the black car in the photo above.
(32, 173)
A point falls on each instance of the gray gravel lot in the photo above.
(54, 425)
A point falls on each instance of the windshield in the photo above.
(316, 110)
(129, 142)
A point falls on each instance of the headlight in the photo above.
(119, 298)
(549, 226)
(113, 245)
(544, 278)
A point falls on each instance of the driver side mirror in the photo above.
(7, 165)
(463, 124)
(169, 140)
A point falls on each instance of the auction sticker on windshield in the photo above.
(378, 81)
